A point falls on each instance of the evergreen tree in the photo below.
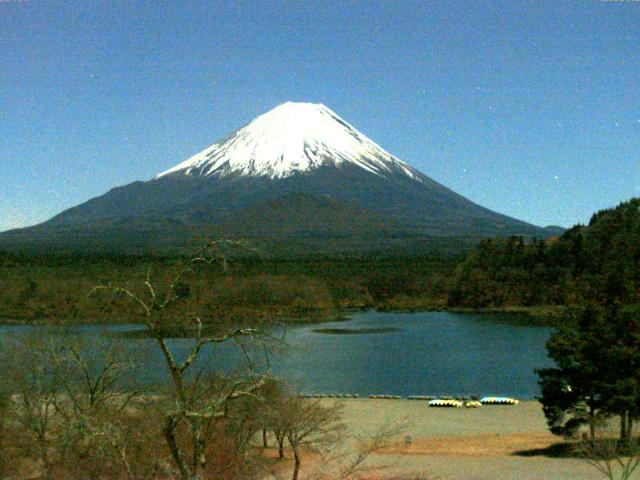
(570, 394)
(597, 373)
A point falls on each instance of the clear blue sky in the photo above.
(530, 108)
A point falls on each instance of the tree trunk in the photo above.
(47, 463)
(199, 458)
(296, 466)
(629, 426)
(170, 437)
(43, 448)
(592, 419)
(623, 426)
(264, 438)
(281, 447)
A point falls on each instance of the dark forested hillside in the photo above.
(599, 262)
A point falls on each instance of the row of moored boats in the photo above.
(442, 402)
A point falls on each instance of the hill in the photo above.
(596, 262)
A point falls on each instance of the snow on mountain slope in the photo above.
(293, 137)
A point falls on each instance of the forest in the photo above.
(598, 262)
(56, 288)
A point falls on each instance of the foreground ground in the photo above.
(488, 443)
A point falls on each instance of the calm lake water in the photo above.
(428, 353)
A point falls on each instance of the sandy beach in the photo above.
(486, 443)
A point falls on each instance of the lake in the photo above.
(427, 353)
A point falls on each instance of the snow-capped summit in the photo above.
(293, 137)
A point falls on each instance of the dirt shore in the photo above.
(487, 443)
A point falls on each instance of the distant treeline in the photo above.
(597, 263)
(303, 289)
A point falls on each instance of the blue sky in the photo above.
(530, 108)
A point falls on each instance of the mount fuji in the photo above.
(298, 175)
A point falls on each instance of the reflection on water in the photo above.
(355, 331)
(429, 353)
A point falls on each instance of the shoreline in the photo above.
(546, 315)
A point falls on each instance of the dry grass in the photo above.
(463, 444)
(475, 445)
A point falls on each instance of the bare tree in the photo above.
(194, 405)
(273, 413)
(100, 404)
(33, 396)
(91, 377)
(315, 426)
(71, 400)
(614, 458)
(348, 459)
(310, 425)
(4, 407)
(364, 446)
